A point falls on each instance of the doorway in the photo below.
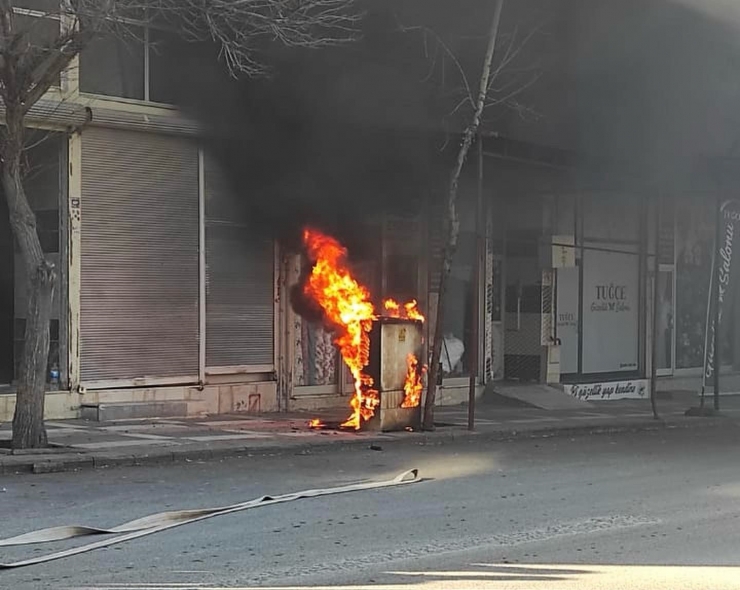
(665, 349)
(7, 297)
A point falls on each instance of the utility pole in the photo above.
(477, 259)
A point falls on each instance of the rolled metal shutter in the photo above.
(139, 291)
(240, 292)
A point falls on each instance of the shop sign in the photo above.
(723, 266)
(610, 390)
(563, 252)
(610, 310)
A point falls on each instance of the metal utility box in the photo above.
(391, 341)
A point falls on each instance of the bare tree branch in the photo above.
(237, 26)
(440, 43)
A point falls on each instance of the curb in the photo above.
(59, 462)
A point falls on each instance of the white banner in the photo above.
(610, 390)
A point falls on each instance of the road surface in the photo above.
(650, 510)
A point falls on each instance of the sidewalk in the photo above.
(78, 444)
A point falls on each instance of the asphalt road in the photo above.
(651, 510)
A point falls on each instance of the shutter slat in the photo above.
(239, 282)
(139, 294)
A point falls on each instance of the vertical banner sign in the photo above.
(722, 271)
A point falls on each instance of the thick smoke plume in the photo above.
(644, 89)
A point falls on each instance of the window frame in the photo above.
(29, 12)
(147, 48)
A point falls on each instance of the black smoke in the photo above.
(642, 88)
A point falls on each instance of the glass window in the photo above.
(7, 297)
(43, 190)
(695, 223)
(47, 6)
(611, 217)
(42, 32)
(666, 242)
(458, 313)
(114, 67)
(694, 239)
(497, 290)
(165, 66)
(565, 218)
(664, 334)
(401, 251)
(316, 357)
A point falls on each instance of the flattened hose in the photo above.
(155, 523)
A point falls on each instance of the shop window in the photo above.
(694, 239)
(145, 65)
(666, 241)
(611, 218)
(165, 66)
(497, 290)
(458, 313)
(42, 31)
(7, 297)
(316, 358)
(401, 251)
(664, 333)
(43, 191)
(45, 6)
(565, 217)
(19, 346)
(40, 19)
(695, 223)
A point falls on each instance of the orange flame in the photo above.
(316, 423)
(413, 387)
(409, 311)
(348, 308)
(392, 307)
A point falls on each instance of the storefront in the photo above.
(600, 293)
(686, 244)
(176, 288)
(45, 189)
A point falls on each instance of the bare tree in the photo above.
(29, 68)
(494, 89)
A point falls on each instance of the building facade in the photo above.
(163, 296)
(577, 266)
(169, 303)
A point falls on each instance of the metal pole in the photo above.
(475, 331)
(656, 301)
(715, 278)
(202, 335)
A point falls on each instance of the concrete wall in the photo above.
(212, 399)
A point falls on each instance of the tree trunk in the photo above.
(28, 421)
(452, 227)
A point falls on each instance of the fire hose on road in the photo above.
(162, 521)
